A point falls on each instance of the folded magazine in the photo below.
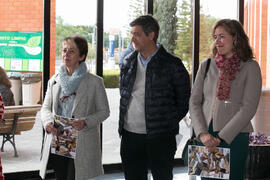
(215, 164)
(64, 144)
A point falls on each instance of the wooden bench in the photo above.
(17, 119)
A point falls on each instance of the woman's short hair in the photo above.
(148, 23)
(81, 44)
(241, 43)
(4, 78)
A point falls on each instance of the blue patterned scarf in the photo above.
(69, 85)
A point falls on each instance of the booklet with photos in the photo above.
(64, 144)
(214, 164)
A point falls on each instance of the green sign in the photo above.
(21, 51)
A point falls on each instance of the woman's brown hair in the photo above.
(4, 78)
(241, 42)
(81, 44)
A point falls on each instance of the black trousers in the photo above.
(138, 153)
(63, 167)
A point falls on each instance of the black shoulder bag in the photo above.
(192, 140)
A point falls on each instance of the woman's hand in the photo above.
(79, 124)
(208, 140)
(51, 129)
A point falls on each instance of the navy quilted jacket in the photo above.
(167, 92)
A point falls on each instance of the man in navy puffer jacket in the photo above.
(155, 91)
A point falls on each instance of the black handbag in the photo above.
(192, 140)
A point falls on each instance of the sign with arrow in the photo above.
(21, 51)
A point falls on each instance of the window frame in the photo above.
(99, 52)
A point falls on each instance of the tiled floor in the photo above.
(179, 174)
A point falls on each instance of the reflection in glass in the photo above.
(212, 11)
(71, 21)
(176, 26)
(21, 24)
(117, 16)
(176, 23)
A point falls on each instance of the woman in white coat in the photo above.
(75, 93)
(223, 103)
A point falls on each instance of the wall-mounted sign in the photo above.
(21, 51)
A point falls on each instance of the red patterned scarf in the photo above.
(1, 170)
(1, 116)
(228, 68)
(1, 107)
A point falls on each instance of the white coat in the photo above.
(90, 103)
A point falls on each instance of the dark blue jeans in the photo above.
(239, 149)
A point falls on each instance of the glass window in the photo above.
(116, 40)
(76, 18)
(176, 27)
(21, 27)
(212, 11)
(21, 44)
(176, 23)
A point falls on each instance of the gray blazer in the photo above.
(232, 116)
(90, 102)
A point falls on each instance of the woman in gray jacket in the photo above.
(75, 93)
(223, 103)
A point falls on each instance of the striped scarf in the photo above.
(1, 170)
(1, 107)
(1, 117)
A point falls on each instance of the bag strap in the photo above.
(193, 134)
(205, 73)
(207, 67)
